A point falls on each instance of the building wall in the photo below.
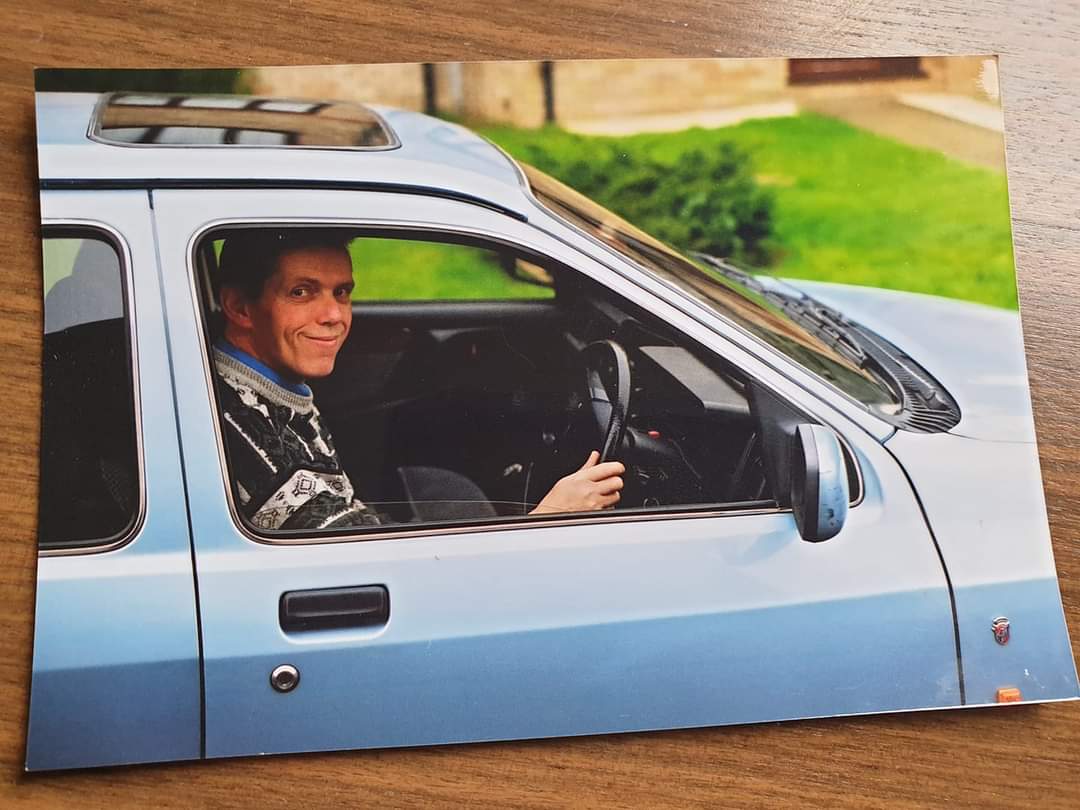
(507, 92)
(396, 85)
(503, 92)
(596, 90)
(967, 75)
(625, 88)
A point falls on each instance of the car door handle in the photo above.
(334, 608)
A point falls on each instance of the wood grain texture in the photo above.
(978, 757)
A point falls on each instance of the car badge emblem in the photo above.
(1000, 626)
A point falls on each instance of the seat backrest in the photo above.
(89, 468)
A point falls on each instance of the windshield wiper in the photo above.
(917, 392)
(825, 323)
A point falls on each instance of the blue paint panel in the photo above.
(116, 665)
(748, 666)
(145, 712)
(547, 629)
(116, 652)
(1037, 658)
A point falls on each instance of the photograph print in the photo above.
(414, 404)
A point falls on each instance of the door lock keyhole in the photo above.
(285, 678)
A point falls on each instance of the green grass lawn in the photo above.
(407, 270)
(58, 259)
(851, 206)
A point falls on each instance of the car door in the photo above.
(116, 675)
(589, 625)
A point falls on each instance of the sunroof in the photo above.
(193, 120)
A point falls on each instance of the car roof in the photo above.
(424, 153)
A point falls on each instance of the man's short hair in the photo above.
(250, 257)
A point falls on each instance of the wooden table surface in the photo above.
(1010, 757)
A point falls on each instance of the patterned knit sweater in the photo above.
(282, 459)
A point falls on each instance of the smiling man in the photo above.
(286, 297)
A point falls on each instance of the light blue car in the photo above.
(832, 506)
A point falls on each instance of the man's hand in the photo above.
(594, 486)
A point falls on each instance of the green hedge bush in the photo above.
(706, 200)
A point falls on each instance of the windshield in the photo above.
(725, 294)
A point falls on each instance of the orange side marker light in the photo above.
(1008, 694)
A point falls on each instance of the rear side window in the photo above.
(89, 459)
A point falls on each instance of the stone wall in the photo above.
(598, 90)
(967, 75)
(625, 88)
(396, 85)
(504, 92)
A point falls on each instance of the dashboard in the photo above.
(690, 437)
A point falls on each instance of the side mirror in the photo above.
(819, 483)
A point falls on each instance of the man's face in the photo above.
(301, 319)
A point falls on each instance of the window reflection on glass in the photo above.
(89, 464)
(180, 120)
(726, 292)
(81, 283)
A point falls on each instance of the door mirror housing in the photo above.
(819, 483)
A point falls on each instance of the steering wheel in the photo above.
(607, 378)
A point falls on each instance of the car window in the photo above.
(419, 270)
(485, 382)
(89, 464)
(398, 270)
(762, 311)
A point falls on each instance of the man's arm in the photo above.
(593, 486)
(327, 511)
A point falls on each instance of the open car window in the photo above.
(414, 270)
(473, 379)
